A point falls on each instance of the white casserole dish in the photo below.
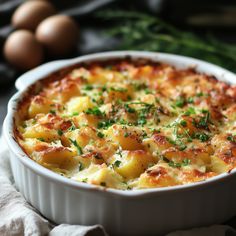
(137, 212)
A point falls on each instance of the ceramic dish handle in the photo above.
(33, 75)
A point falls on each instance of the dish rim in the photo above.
(30, 77)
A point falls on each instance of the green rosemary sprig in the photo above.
(138, 31)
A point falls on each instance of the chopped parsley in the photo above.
(75, 113)
(105, 124)
(94, 111)
(72, 127)
(88, 87)
(119, 152)
(232, 138)
(79, 149)
(59, 132)
(190, 111)
(52, 112)
(183, 123)
(181, 146)
(203, 121)
(180, 102)
(203, 137)
(147, 91)
(100, 134)
(190, 100)
(200, 94)
(117, 163)
(139, 86)
(185, 162)
(126, 134)
(129, 109)
(41, 139)
(81, 166)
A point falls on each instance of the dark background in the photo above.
(199, 16)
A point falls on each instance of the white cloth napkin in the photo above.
(17, 217)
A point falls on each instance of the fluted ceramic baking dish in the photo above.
(137, 212)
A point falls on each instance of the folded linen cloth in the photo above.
(17, 217)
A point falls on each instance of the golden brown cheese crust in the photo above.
(130, 124)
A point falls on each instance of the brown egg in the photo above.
(31, 13)
(22, 50)
(58, 34)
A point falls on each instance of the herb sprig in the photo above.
(138, 31)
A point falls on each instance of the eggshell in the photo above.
(31, 13)
(58, 34)
(22, 50)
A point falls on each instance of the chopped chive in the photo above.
(88, 87)
(81, 167)
(79, 149)
(75, 113)
(41, 139)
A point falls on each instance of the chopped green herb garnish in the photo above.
(185, 162)
(180, 102)
(147, 91)
(126, 134)
(81, 167)
(79, 149)
(72, 128)
(94, 111)
(203, 137)
(104, 88)
(85, 180)
(41, 139)
(88, 87)
(190, 111)
(190, 100)
(182, 147)
(105, 124)
(142, 121)
(183, 123)
(75, 113)
(117, 163)
(199, 94)
(139, 86)
(52, 112)
(100, 134)
(60, 132)
(232, 138)
(129, 109)
(204, 120)
(119, 152)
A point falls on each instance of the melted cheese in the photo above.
(131, 125)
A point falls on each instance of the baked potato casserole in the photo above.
(130, 124)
